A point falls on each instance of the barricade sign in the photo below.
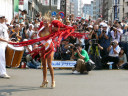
(65, 64)
(53, 13)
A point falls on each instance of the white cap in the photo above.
(90, 26)
(31, 25)
(2, 16)
(104, 25)
(115, 41)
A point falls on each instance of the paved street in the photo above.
(26, 82)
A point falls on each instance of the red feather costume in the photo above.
(56, 37)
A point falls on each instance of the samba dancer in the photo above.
(49, 34)
(46, 30)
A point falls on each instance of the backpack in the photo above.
(90, 65)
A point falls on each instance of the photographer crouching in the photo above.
(82, 59)
(113, 56)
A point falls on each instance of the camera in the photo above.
(104, 31)
(94, 42)
(74, 48)
(113, 43)
(70, 48)
(96, 31)
(111, 28)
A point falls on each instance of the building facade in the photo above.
(68, 7)
(78, 8)
(105, 10)
(125, 8)
(72, 7)
(6, 9)
(88, 10)
(96, 9)
(101, 8)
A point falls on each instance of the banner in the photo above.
(67, 64)
(16, 5)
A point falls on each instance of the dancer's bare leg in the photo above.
(49, 60)
(44, 63)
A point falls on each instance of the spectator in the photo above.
(68, 23)
(15, 33)
(113, 56)
(30, 32)
(104, 40)
(22, 16)
(122, 58)
(23, 31)
(35, 31)
(82, 20)
(64, 50)
(116, 33)
(59, 17)
(90, 27)
(32, 62)
(94, 33)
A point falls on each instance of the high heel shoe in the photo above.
(53, 85)
(44, 84)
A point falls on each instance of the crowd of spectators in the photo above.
(107, 41)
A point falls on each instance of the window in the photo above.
(45, 2)
(54, 2)
(127, 14)
(118, 1)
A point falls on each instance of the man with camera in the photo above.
(65, 49)
(104, 39)
(94, 33)
(113, 56)
(94, 48)
(82, 59)
(116, 33)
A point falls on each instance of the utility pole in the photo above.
(65, 11)
(50, 8)
(123, 9)
(65, 7)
